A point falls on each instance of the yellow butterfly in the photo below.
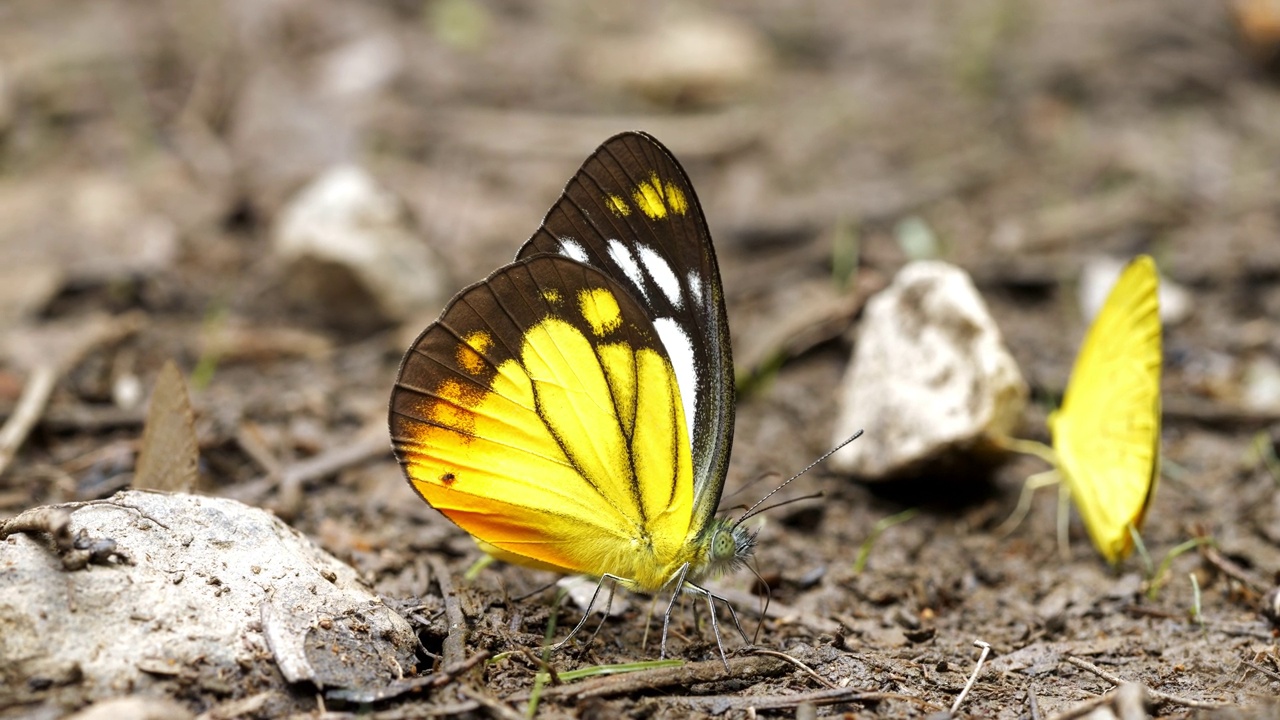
(574, 411)
(1106, 434)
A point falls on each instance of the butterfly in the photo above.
(574, 410)
(1106, 434)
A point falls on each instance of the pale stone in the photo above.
(194, 588)
(930, 374)
(344, 232)
(701, 60)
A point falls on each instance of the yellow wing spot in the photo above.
(600, 309)
(648, 197)
(618, 206)
(552, 296)
(676, 199)
(656, 198)
(469, 355)
(479, 339)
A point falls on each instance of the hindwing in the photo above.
(542, 414)
(1106, 435)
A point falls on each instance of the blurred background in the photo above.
(280, 194)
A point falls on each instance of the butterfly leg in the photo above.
(677, 582)
(734, 614)
(1064, 521)
(608, 605)
(1029, 488)
(715, 629)
(648, 621)
(715, 622)
(613, 584)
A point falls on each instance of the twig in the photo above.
(1116, 680)
(688, 674)
(370, 442)
(1255, 666)
(805, 668)
(78, 340)
(1229, 568)
(249, 437)
(986, 650)
(87, 418)
(455, 643)
(27, 413)
(54, 521)
(717, 704)
(494, 706)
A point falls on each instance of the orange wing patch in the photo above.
(470, 355)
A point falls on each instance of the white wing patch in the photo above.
(662, 274)
(680, 349)
(571, 248)
(695, 286)
(621, 254)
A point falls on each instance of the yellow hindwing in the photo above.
(555, 434)
(1106, 435)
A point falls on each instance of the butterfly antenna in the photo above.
(788, 501)
(752, 483)
(751, 511)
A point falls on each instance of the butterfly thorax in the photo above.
(721, 547)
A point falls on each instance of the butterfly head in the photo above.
(728, 546)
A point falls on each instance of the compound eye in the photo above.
(722, 546)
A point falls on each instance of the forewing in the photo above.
(541, 414)
(1106, 435)
(631, 212)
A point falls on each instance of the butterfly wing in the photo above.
(631, 212)
(1106, 435)
(541, 414)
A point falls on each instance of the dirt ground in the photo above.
(147, 151)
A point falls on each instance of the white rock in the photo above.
(1260, 386)
(134, 708)
(212, 589)
(345, 222)
(929, 374)
(360, 68)
(696, 59)
(592, 596)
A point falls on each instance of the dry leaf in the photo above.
(170, 452)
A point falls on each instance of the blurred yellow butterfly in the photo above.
(1106, 434)
(573, 412)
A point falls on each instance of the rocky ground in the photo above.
(162, 164)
